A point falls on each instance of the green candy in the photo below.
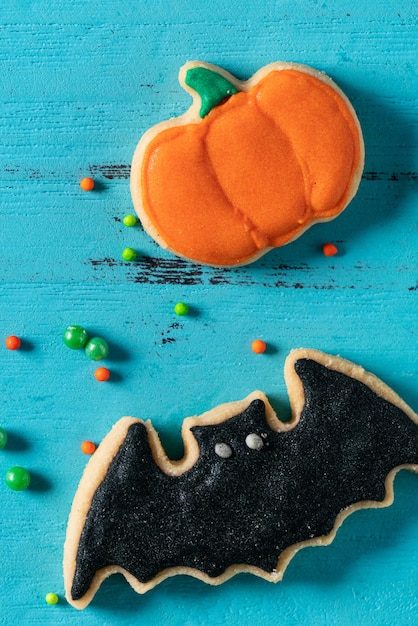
(51, 598)
(75, 337)
(129, 254)
(97, 349)
(129, 220)
(181, 308)
(17, 478)
(3, 438)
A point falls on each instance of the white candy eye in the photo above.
(254, 441)
(223, 450)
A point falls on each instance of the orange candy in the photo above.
(12, 342)
(258, 346)
(329, 249)
(87, 184)
(102, 374)
(88, 447)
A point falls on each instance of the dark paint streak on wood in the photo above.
(281, 283)
(151, 270)
(227, 276)
(122, 170)
(175, 271)
(112, 171)
(107, 261)
(173, 326)
(286, 285)
(394, 176)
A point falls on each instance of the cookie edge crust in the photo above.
(99, 463)
(191, 116)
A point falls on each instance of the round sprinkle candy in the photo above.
(129, 254)
(181, 308)
(329, 249)
(87, 184)
(102, 374)
(75, 337)
(3, 438)
(12, 342)
(88, 447)
(258, 346)
(17, 478)
(129, 220)
(97, 349)
(51, 598)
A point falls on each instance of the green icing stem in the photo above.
(211, 87)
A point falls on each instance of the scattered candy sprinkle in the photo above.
(129, 220)
(51, 598)
(102, 374)
(329, 249)
(129, 254)
(88, 447)
(258, 346)
(3, 438)
(97, 349)
(181, 308)
(12, 342)
(75, 337)
(17, 478)
(87, 184)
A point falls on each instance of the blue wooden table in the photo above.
(80, 82)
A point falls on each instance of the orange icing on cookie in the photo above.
(282, 153)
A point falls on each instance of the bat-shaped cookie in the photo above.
(250, 490)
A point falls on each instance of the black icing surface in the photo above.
(248, 508)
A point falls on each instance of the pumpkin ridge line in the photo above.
(253, 230)
(308, 183)
(349, 115)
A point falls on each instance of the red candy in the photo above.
(329, 249)
(12, 342)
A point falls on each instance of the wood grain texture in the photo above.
(79, 83)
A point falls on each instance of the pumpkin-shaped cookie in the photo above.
(250, 166)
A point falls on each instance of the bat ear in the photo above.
(297, 386)
(235, 428)
(294, 383)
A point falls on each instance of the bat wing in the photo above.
(250, 490)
